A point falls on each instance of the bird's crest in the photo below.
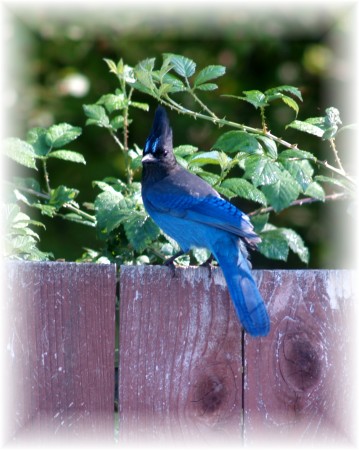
(160, 139)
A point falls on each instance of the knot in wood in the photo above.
(300, 364)
(210, 394)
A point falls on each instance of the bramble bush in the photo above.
(276, 174)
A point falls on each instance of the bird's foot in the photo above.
(169, 263)
(208, 264)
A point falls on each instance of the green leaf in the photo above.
(296, 244)
(112, 209)
(211, 178)
(185, 150)
(183, 66)
(68, 155)
(201, 255)
(140, 230)
(213, 157)
(301, 171)
(176, 84)
(138, 105)
(255, 98)
(306, 127)
(285, 88)
(259, 221)
(238, 141)
(37, 138)
(58, 136)
(336, 182)
(281, 194)
(242, 188)
(291, 103)
(270, 146)
(113, 102)
(262, 170)
(209, 73)
(315, 190)
(117, 122)
(274, 244)
(96, 115)
(207, 87)
(20, 151)
(62, 195)
(296, 154)
(111, 65)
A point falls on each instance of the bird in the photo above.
(191, 212)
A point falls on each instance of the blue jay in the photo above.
(192, 213)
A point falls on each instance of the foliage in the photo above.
(275, 173)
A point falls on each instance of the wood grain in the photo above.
(298, 379)
(180, 356)
(60, 349)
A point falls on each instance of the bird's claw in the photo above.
(208, 264)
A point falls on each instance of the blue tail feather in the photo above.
(243, 290)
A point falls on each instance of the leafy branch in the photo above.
(275, 174)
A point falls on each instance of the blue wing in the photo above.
(210, 210)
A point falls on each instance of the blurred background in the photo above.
(54, 58)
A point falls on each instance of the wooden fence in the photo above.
(187, 372)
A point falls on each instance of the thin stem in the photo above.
(223, 122)
(199, 101)
(336, 155)
(118, 142)
(300, 202)
(46, 176)
(66, 205)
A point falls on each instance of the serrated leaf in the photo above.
(291, 103)
(20, 151)
(62, 195)
(96, 115)
(269, 145)
(141, 231)
(238, 141)
(113, 102)
(207, 87)
(296, 154)
(117, 122)
(306, 127)
(176, 84)
(185, 150)
(261, 170)
(336, 182)
(315, 190)
(255, 98)
(211, 178)
(281, 194)
(285, 88)
(213, 157)
(209, 73)
(37, 138)
(296, 244)
(68, 155)
(274, 245)
(259, 221)
(301, 171)
(242, 188)
(182, 65)
(112, 209)
(58, 136)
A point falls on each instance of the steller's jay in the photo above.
(192, 213)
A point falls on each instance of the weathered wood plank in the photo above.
(60, 349)
(298, 379)
(180, 356)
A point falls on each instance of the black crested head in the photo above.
(159, 145)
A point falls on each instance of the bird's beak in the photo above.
(149, 158)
